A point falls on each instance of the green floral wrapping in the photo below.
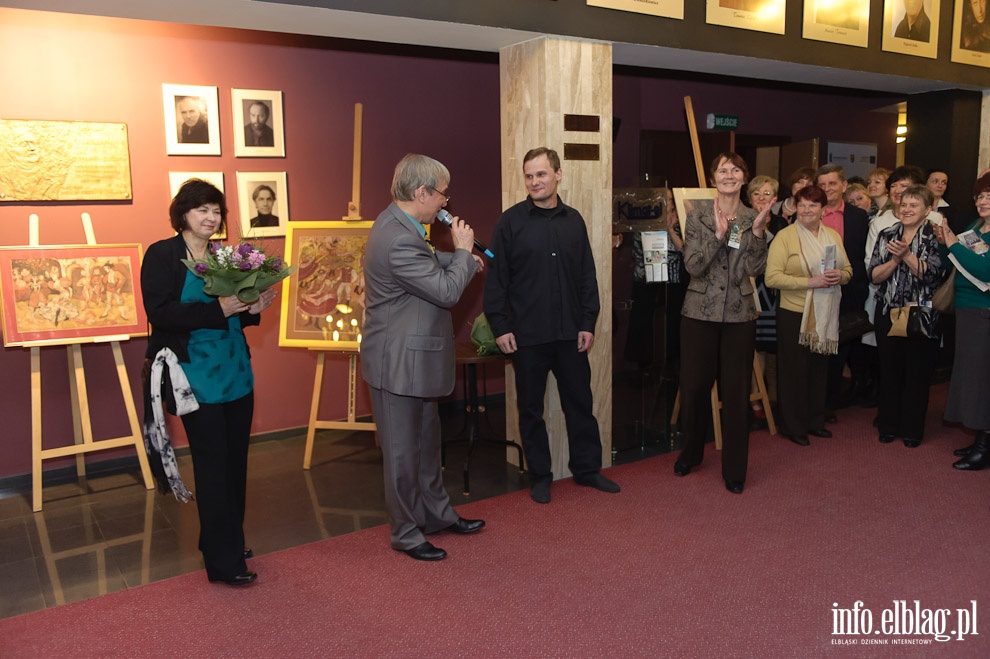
(483, 337)
(246, 285)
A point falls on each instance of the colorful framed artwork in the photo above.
(323, 303)
(759, 15)
(263, 204)
(971, 32)
(259, 125)
(910, 27)
(837, 21)
(192, 120)
(689, 199)
(62, 294)
(176, 179)
(665, 8)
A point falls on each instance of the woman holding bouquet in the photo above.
(206, 334)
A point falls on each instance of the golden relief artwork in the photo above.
(63, 161)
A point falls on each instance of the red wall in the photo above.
(111, 70)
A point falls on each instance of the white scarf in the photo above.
(820, 318)
(156, 439)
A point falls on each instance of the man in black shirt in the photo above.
(541, 299)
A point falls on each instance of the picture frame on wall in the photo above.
(844, 22)
(259, 124)
(192, 120)
(910, 27)
(263, 204)
(758, 15)
(65, 294)
(323, 304)
(663, 8)
(971, 32)
(176, 179)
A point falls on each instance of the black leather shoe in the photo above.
(681, 468)
(912, 443)
(239, 580)
(736, 487)
(540, 492)
(886, 439)
(598, 482)
(248, 553)
(964, 451)
(800, 440)
(824, 432)
(426, 552)
(465, 526)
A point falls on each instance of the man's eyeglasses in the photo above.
(442, 194)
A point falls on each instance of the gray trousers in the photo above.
(409, 431)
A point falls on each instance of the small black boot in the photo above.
(964, 451)
(979, 457)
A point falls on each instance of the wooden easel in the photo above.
(759, 389)
(353, 213)
(82, 426)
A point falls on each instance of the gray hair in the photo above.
(415, 171)
(830, 169)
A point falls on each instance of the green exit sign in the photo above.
(723, 122)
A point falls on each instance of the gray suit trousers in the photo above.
(409, 431)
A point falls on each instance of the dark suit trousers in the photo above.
(409, 431)
(906, 367)
(532, 365)
(725, 350)
(801, 377)
(218, 440)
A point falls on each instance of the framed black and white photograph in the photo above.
(176, 179)
(263, 204)
(837, 21)
(259, 125)
(971, 32)
(192, 120)
(759, 15)
(910, 27)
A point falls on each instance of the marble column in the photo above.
(544, 83)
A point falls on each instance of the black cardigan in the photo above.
(162, 278)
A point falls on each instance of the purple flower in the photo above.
(201, 268)
(256, 259)
(245, 249)
(213, 247)
(276, 263)
(245, 265)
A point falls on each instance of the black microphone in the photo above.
(446, 218)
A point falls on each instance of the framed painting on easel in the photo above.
(60, 295)
(323, 305)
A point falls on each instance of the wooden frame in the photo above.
(250, 184)
(758, 15)
(176, 179)
(687, 198)
(895, 21)
(963, 21)
(272, 129)
(837, 21)
(65, 294)
(184, 104)
(323, 303)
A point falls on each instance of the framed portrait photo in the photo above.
(192, 120)
(263, 204)
(259, 125)
(58, 295)
(665, 8)
(176, 179)
(971, 32)
(323, 304)
(910, 27)
(759, 15)
(837, 21)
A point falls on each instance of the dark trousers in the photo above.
(218, 440)
(906, 367)
(801, 376)
(725, 351)
(532, 364)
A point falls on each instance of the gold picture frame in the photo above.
(323, 303)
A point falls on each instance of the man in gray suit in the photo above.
(407, 351)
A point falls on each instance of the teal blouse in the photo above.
(219, 368)
(978, 265)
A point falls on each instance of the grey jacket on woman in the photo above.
(721, 290)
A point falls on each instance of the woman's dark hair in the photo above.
(733, 158)
(193, 194)
(907, 172)
(811, 193)
(801, 173)
(982, 184)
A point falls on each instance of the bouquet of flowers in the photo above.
(243, 271)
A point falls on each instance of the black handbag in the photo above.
(924, 323)
(853, 325)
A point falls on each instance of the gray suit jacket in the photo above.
(407, 346)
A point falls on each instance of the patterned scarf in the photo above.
(156, 439)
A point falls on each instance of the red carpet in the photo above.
(671, 567)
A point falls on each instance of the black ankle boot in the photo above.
(979, 457)
(964, 451)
